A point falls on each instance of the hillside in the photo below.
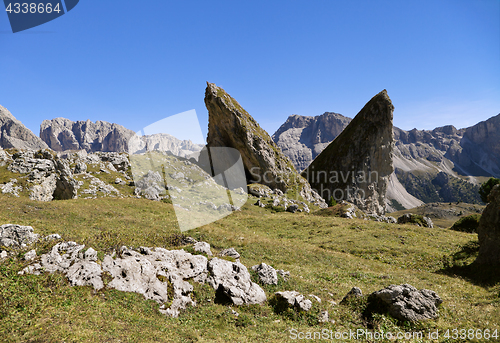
(335, 255)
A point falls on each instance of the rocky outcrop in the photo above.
(49, 177)
(267, 274)
(163, 142)
(231, 126)
(489, 230)
(405, 302)
(13, 134)
(62, 134)
(17, 236)
(232, 283)
(357, 165)
(303, 138)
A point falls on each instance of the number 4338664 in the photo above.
(32, 8)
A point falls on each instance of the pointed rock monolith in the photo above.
(356, 166)
(229, 125)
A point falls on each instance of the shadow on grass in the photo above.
(461, 264)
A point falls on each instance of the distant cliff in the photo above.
(303, 138)
(62, 134)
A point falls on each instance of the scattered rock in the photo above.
(202, 247)
(284, 274)
(30, 255)
(54, 236)
(230, 252)
(323, 317)
(318, 299)
(260, 203)
(17, 236)
(10, 188)
(3, 254)
(355, 292)
(267, 274)
(405, 302)
(232, 283)
(293, 299)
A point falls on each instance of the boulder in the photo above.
(202, 247)
(355, 292)
(264, 163)
(405, 302)
(357, 165)
(410, 218)
(293, 299)
(489, 231)
(230, 252)
(267, 274)
(17, 236)
(232, 283)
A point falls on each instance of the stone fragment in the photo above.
(267, 274)
(202, 247)
(232, 283)
(17, 236)
(230, 252)
(293, 299)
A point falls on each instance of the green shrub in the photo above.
(467, 224)
(486, 187)
(332, 202)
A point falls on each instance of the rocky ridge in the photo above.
(13, 134)
(62, 134)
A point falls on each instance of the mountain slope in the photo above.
(13, 134)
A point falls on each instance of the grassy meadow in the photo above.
(326, 256)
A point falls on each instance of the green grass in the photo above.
(325, 255)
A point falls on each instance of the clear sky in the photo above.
(137, 62)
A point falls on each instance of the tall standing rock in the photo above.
(13, 134)
(488, 231)
(229, 125)
(356, 166)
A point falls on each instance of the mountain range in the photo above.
(445, 164)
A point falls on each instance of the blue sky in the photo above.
(137, 62)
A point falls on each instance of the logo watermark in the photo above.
(204, 184)
(24, 15)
